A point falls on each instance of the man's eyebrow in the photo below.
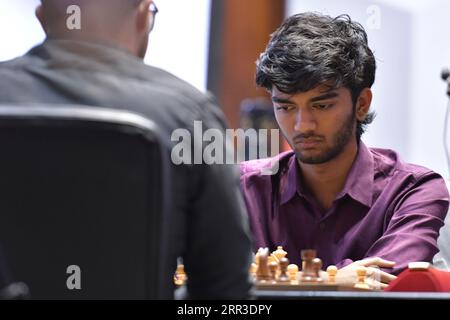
(328, 95)
(281, 100)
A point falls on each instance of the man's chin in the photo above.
(312, 157)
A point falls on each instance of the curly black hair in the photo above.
(311, 49)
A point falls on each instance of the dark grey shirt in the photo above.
(210, 229)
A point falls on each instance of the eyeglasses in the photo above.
(154, 10)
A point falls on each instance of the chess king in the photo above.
(355, 205)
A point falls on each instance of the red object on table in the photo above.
(421, 279)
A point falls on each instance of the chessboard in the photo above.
(272, 271)
(300, 286)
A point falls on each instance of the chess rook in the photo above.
(308, 273)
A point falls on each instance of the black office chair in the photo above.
(81, 204)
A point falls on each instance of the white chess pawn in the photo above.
(180, 276)
(361, 282)
(292, 271)
(332, 271)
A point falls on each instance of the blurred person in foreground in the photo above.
(101, 64)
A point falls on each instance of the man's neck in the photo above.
(96, 38)
(325, 181)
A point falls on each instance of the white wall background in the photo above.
(178, 43)
(411, 45)
(19, 29)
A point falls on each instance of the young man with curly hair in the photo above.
(357, 206)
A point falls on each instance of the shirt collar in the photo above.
(88, 55)
(359, 183)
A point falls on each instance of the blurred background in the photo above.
(213, 44)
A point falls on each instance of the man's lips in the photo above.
(307, 143)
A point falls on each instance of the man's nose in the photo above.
(305, 121)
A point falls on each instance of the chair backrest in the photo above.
(81, 204)
(442, 259)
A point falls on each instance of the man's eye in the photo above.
(284, 108)
(323, 106)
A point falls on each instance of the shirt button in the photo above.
(322, 226)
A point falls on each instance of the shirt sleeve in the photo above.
(411, 233)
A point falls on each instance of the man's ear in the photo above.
(40, 15)
(363, 104)
(143, 16)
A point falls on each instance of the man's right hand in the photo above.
(375, 277)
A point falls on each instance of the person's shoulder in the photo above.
(12, 66)
(262, 168)
(203, 105)
(14, 79)
(173, 84)
(20, 72)
(23, 61)
(389, 162)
